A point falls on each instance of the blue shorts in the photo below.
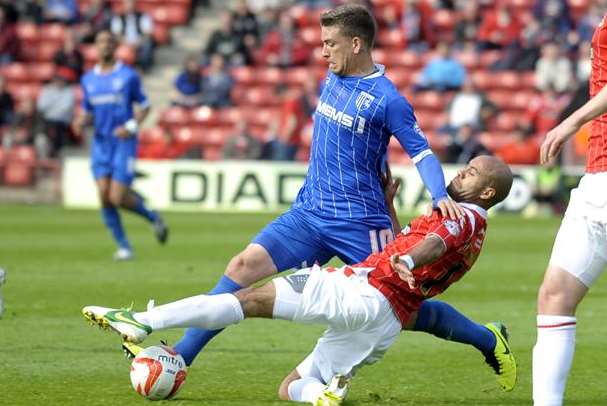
(115, 160)
(299, 238)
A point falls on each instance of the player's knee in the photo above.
(250, 266)
(116, 198)
(283, 390)
(553, 298)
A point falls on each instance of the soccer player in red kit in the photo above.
(365, 305)
(579, 254)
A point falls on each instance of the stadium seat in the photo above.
(255, 96)
(269, 76)
(430, 101)
(380, 56)
(506, 121)
(469, 59)
(169, 14)
(15, 72)
(404, 59)
(487, 58)
(41, 71)
(23, 91)
(150, 135)
(204, 117)
(393, 38)
(401, 77)
(161, 33)
(174, 117)
(20, 165)
(495, 139)
(443, 21)
(243, 75)
(52, 32)
(297, 76)
(310, 35)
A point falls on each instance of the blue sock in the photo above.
(111, 218)
(444, 321)
(195, 339)
(143, 211)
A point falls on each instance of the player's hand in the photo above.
(554, 141)
(77, 128)
(449, 208)
(402, 270)
(122, 132)
(389, 185)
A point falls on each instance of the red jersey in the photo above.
(597, 142)
(463, 240)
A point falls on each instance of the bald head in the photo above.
(485, 181)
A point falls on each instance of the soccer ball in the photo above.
(158, 372)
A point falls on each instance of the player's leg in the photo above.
(121, 194)
(111, 217)
(283, 244)
(576, 262)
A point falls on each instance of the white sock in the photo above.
(552, 358)
(306, 389)
(211, 312)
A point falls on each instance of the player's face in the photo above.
(336, 49)
(106, 45)
(469, 183)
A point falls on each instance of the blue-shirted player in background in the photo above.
(340, 211)
(110, 89)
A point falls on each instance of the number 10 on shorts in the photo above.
(380, 238)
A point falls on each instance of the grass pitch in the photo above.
(59, 261)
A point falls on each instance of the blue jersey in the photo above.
(353, 123)
(109, 97)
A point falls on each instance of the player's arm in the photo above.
(80, 121)
(390, 188)
(401, 122)
(426, 252)
(553, 143)
(131, 127)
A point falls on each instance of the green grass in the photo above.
(59, 260)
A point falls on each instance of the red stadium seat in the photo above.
(161, 33)
(41, 71)
(52, 32)
(28, 34)
(243, 75)
(170, 14)
(482, 79)
(469, 59)
(506, 80)
(405, 59)
(393, 38)
(431, 101)
(269, 76)
(15, 72)
(255, 96)
(151, 135)
(126, 53)
(401, 77)
(174, 117)
(20, 164)
(204, 117)
(380, 56)
(506, 121)
(488, 58)
(24, 91)
(495, 140)
(311, 35)
(299, 75)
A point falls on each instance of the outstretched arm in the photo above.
(390, 189)
(556, 138)
(424, 253)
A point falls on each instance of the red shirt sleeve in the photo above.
(453, 232)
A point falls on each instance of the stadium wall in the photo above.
(250, 186)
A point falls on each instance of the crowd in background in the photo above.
(548, 37)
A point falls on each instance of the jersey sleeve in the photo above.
(454, 233)
(137, 93)
(86, 102)
(401, 122)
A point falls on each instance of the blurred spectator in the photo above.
(471, 107)
(25, 126)
(499, 28)
(135, 28)
(309, 97)
(317, 3)
(267, 21)
(32, 10)
(223, 41)
(242, 144)
(9, 42)
(96, 17)
(168, 147)
(544, 110)
(468, 25)
(56, 107)
(11, 12)
(522, 150)
(284, 47)
(553, 69)
(244, 24)
(259, 6)
(188, 84)
(523, 53)
(465, 146)
(286, 130)
(549, 189)
(61, 11)
(7, 105)
(583, 64)
(69, 58)
(590, 20)
(416, 23)
(442, 73)
(217, 84)
(554, 18)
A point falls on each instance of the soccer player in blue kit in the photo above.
(340, 210)
(110, 89)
